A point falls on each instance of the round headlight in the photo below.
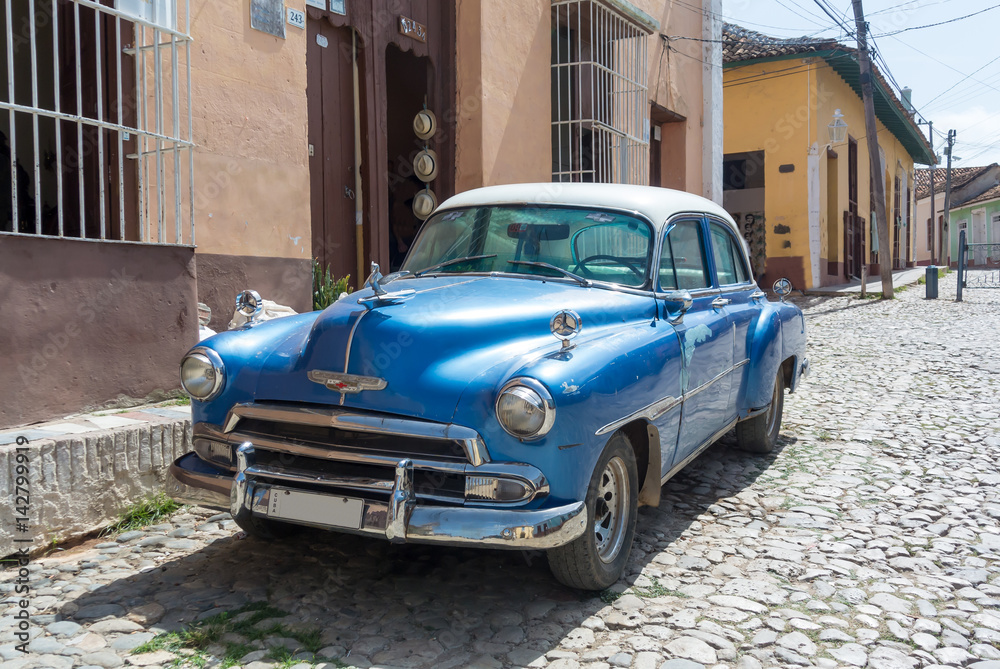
(202, 373)
(525, 409)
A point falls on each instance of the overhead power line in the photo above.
(939, 23)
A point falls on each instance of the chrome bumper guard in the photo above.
(399, 519)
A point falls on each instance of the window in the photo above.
(682, 262)
(600, 106)
(729, 267)
(96, 133)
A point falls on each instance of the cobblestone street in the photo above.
(871, 537)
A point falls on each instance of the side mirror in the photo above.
(677, 303)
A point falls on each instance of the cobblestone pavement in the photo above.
(871, 537)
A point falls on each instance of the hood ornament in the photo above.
(377, 282)
(345, 383)
(565, 325)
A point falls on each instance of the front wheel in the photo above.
(760, 433)
(597, 558)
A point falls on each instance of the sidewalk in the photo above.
(900, 277)
(83, 470)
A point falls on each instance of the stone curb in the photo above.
(79, 483)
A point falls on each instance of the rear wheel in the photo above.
(760, 433)
(597, 558)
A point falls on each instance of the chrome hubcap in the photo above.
(611, 510)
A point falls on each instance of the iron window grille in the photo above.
(600, 106)
(95, 120)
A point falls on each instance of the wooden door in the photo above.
(330, 92)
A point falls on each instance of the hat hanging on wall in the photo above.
(425, 124)
(425, 165)
(424, 204)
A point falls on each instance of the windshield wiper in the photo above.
(453, 261)
(565, 272)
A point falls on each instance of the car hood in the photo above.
(429, 347)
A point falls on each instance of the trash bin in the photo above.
(932, 282)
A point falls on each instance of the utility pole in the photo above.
(933, 221)
(946, 257)
(871, 130)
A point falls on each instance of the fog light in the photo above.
(217, 452)
(496, 489)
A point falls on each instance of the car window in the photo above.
(682, 262)
(600, 245)
(729, 267)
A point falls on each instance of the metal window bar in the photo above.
(600, 107)
(112, 114)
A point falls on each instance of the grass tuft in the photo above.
(200, 635)
(148, 511)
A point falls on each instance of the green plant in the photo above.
(143, 513)
(198, 636)
(921, 281)
(325, 289)
(179, 402)
(609, 596)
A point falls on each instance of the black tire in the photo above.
(264, 529)
(760, 433)
(588, 562)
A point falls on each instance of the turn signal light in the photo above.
(496, 489)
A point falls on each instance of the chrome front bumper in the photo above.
(399, 519)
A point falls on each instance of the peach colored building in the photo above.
(225, 145)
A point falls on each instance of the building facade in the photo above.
(165, 154)
(980, 219)
(804, 198)
(967, 183)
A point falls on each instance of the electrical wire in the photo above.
(940, 23)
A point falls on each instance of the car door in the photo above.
(741, 298)
(705, 335)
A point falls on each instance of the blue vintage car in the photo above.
(549, 356)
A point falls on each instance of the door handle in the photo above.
(720, 302)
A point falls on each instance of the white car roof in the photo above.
(658, 204)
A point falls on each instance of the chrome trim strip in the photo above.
(373, 423)
(698, 451)
(650, 412)
(662, 406)
(348, 482)
(350, 342)
(705, 385)
(325, 453)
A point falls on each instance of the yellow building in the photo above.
(803, 200)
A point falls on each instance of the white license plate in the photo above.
(311, 507)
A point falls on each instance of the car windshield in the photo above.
(594, 244)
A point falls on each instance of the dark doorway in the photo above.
(853, 224)
(406, 77)
(330, 92)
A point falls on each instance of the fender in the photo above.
(765, 358)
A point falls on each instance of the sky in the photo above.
(953, 69)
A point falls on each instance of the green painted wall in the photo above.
(971, 215)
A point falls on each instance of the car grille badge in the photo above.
(345, 383)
